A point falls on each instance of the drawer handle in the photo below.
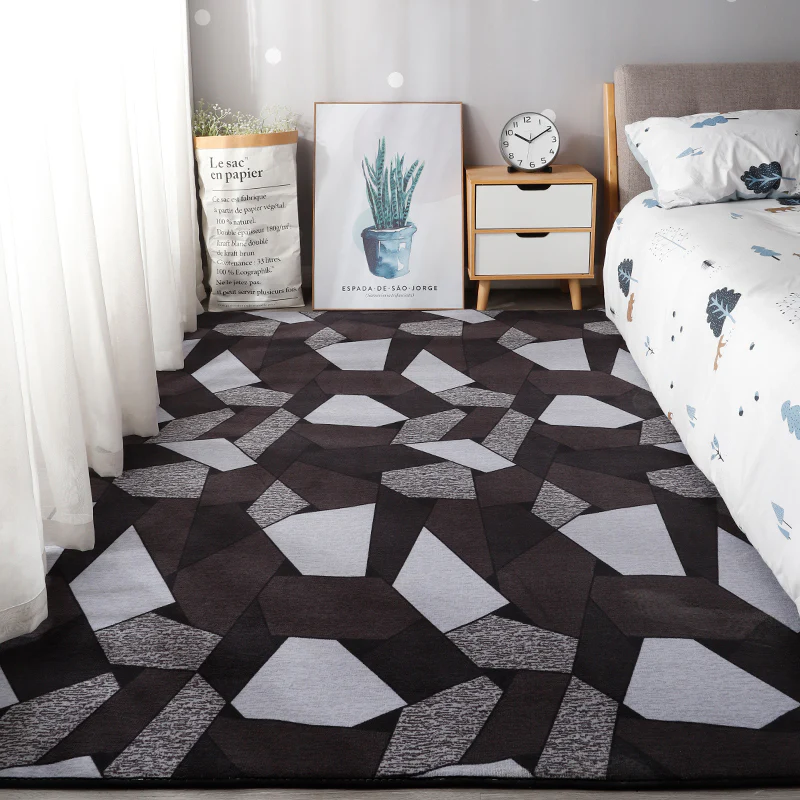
(535, 235)
(533, 187)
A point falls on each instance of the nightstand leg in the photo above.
(483, 294)
(575, 294)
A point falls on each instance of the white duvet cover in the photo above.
(708, 301)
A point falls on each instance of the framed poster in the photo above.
(388, 206)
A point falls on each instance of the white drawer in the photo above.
(562, 253)
(534, 205)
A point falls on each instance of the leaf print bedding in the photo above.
(715, 330)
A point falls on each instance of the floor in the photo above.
(499, 299)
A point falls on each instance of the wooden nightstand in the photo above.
(530, 226)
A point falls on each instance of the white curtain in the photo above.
(99, 261)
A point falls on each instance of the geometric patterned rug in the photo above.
(401, 548)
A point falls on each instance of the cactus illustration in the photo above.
(390, 188)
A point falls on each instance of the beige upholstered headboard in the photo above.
(640, 91)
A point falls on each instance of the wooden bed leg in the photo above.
(483, 294)
(575, 294)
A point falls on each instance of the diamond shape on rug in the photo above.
(606, 328)
(369, 354)
(81, 767)
(465, 452)
(433, 374)
(31, 728)
(224, 372)
(472, 396)
(164, 743)
(585, 412)
(264, 328)
(185, 479)
(354, 409)
(564, 354)
(438, 327)
(442, 587)
(625, 368)
(507, 436)
(557, 506)
(687, 481)
(437, 731)
(287, 317)
(154, 641)
(679, 680)
(334, 542)
(253, 396)
(658, 430)
(220, 454)
(277, 503)
(634, 541)
(744, 573)
(514, 338)
(122, 582)
(323, 338)
(469, 315)
(507, 768)
(429, 428)
(329, 686)
(257, 440)
(497, 643)
(188, 428)
(434, 480)
(7, 696)
(580, 740)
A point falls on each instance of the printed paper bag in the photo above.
(248, 193)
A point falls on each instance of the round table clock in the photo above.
(529, 142)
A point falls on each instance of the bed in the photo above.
(708, 301)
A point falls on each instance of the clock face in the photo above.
(529, 141)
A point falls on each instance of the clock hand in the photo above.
(541, 134)
(523, 138)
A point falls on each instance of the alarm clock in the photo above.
(529, 142)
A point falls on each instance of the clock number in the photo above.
(544, 160)
(505, 144)
(532, 164)
(520, 162)
(552, 153)
(509, 132)
(554, 140)
(526, 119)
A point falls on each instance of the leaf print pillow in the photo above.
(709, 158)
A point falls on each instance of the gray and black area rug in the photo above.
(383, 548)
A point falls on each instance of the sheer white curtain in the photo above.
(99, 260)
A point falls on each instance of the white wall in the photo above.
(499, 57)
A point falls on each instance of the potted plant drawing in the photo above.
(387, 243)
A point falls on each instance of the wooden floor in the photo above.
(500, 299)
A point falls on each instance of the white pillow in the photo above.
(707, 158)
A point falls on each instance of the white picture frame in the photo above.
(400, 243)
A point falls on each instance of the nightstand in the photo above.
(530, 226)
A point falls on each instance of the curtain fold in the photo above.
(99, 261)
